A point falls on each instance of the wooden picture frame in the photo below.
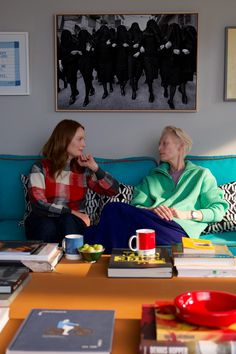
(130, 62)
(14, 63)
(230, 64)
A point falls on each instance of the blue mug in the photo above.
(70, 244)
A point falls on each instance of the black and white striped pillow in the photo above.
(95, 202)
(25, 182)
(228, 223)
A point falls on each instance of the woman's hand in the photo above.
(88, 161)
(82, 216)
(167, 213)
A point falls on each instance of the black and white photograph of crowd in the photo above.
(126, 62)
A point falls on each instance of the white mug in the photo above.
(145, 242)
(71, 243)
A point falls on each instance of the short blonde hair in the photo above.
(180, 134)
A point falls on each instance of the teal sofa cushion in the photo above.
(12, 204)
(10, 230)
(222, 167)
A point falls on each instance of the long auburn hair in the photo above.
(55, 149)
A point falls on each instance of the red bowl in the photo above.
(207, 308)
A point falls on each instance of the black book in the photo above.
(22, 248)
(11, 277)
(126, 263)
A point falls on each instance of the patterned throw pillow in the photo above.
(95, 202)
(25, 181)
(228, 223)
(92, 206)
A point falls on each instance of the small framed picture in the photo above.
(230, 64)
(126, 62)
(14, 63)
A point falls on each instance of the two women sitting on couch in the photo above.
(176, 199)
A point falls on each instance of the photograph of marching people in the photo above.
(126, 62)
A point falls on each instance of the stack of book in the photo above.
(126, 263)
(36, 255)
(163, 332)
(201, 258)
(12, 280)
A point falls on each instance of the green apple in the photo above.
(90, 249)
(98, 247)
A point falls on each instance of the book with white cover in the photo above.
(203, 271)
(54, 331)
(44, 253)
(4, 317)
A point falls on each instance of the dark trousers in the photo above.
(52, 229)
(119, 221)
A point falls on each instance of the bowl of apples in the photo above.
(91, 253)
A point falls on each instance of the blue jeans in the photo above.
(52, 229)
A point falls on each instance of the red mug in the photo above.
(145, 242)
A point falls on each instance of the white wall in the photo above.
(26, 121)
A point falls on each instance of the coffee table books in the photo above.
(128, 264)
(18, 248)
(149, 344)
(6, 299)
(43, 252)
(11, 277)
(53, 331)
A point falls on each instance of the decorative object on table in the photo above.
(11, 277)
(193, 246)
(230, 53)
(125, 263)
(6, 299)
(65, 331)
(207, 308)
(91, 253)
(70, 244)
(14, 63)
(129, 38)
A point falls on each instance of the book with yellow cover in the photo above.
(170, 327)
(193, 245)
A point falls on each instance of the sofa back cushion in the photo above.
(128, 170)
(12, 203)
(222, 167)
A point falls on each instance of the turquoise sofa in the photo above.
(128, 170)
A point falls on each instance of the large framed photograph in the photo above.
(14, 63)
(230, 64)
(129, 62)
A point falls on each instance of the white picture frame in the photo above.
(14, 63)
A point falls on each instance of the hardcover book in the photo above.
(51, 331)
(222, 256)
(11, 277)
(6, 299)
(148, 342)
(126, 263)
(170, 327)
(192, 245)
(43, 253)
(19, 248)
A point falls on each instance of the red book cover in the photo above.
(170, 327)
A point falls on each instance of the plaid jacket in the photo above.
(53, 197)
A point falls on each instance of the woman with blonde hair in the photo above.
(58, 184)
(177, 198)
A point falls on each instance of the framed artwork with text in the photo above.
(126, 62)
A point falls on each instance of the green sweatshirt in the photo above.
(196, 190)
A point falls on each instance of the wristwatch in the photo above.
(194, 215)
